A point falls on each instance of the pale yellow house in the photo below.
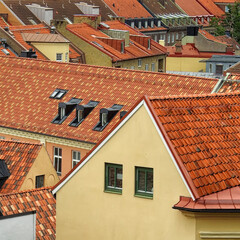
(129, 185)
(25, 166)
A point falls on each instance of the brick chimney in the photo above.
(229, 49)
(92, 20)
(178, 47)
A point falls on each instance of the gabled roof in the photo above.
(98, 39)
(19, 158)
(127, 8)
(35, 80)
(202, 132)
(44, 37)
(229, 40)
(209, 36)
(40, 200)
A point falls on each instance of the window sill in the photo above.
(112, 191)
(143, 196)
(59, 174)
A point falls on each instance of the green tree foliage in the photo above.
(229, 22)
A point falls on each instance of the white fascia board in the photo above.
(142, 103)
(169, 151)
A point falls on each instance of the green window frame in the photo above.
(144, 182)
(113, 178)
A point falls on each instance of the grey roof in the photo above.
(196, 74)
(224, 58)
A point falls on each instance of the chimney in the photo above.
(161, 42)
(229, 49)
(178, 47)
(92, 20)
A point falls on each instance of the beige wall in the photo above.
(41, 166)
(133, 64)
(85, 211)
(51, 49)
(186, 64)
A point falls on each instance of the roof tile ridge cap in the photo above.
(197, 95)
(26, 191)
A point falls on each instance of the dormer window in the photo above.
(58, 93)
(146, 24)
(82, 111)
(4, 172)
(65, 109)
(106, 115)
(139, 24)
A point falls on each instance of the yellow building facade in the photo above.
(85, 209)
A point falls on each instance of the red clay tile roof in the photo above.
(96, 38)
(192, 7)
(211, 7)
(228, 199)
(209, 36)
(10, 52)
(128, 8)
(29, 84)
(228, 40)
(19, 158)
(40, 200)
(189, 50)
(203, 132)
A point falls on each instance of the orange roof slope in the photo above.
(211, 7)
(209, 36)
(192, 7)
(98, 39)
(128, 8)
(204, 133)
(25, 102)
(19, 158)
(39, 200)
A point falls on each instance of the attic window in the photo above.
(65, 109)
(106, 115)
(82, 111)
(58, 93)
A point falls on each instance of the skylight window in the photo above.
(58, 93)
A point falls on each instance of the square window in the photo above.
(57, 158)
(113, 178)
(39, 181)
(75, 158)
(144, 182)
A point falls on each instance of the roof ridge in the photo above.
(203, 95)
(26, 191)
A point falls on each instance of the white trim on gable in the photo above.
(142, 103)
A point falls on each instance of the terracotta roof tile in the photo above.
(203, 131)
(30, 83)
(40, 200)
(19, 158)
(211, 7)
(97, 37)
(128, 9)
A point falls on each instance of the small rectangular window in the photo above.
(132, 67)
(57, 160)
(113, 177)
(139, 62)
(39, 181)
(144, 182)
(210, 68)
(58, 93)
(153, 67)
(2, 137)
(59, 57)
(75, 158)
(146, 67)
(66, 57)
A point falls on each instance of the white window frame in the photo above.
(57, 158)
(58, 55)
(139, 62)
(75, 160)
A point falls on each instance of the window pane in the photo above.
(119, 178)
(149, 181)
(111, 176)
(60, 165)
(74, 155)
(141, 180)
(55, 163)
(60, 152)
(78, 155)
(56, 151)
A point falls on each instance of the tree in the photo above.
(229, 22)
